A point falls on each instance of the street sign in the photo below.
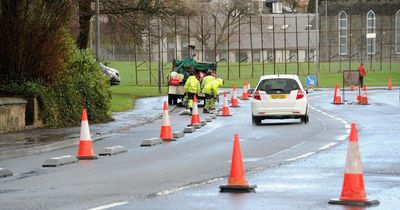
(351, 77)
(311, 80)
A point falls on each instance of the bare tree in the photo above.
(225, 14)
(32, 36)
(131, 15)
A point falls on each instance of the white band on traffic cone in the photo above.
(353, 161)
(165, 118)
(85, 132)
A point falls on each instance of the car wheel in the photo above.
(305, 119)
(256, 120)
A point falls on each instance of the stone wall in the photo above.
(12, 114)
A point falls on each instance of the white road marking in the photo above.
(109, 206)
(327, 146)
(345, 123)
(176, 189)
(300, 157)
(342, 137)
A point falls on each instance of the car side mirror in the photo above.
(251, 90)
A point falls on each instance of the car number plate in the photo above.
(279, 96)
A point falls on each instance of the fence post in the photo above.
(134, 57)
(390, 45)
(228, 46)
(380, 65)
(262, 44)
(215, 39)
(308, 44)
(284, 40)
(251, 51)
(297, 48)
(202, 40)
(188, 25)
(273, 42)
(350, 52)
(176, 39)
(149, 51)
(239, 47)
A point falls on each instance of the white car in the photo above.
(111, 73)
(279, 97)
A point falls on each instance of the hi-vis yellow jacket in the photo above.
(192, 85)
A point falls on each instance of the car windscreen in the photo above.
(278, 86)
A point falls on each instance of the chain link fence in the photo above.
(247, 47)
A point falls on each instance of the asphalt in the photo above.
(35, 141)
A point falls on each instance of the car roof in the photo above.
(280, 76)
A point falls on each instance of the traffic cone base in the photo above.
(234, 103)
(225, 112)
(353, 188)
(86, 150)
(338, 100)
(195, 119)
(237, 188)
(166, 134)
(337, 201)
(363, 100)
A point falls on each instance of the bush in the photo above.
(82, 84)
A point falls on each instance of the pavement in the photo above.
(35, 141)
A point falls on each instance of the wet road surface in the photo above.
(294, 165)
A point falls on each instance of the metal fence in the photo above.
(247, 47)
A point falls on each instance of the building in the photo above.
(357, 31)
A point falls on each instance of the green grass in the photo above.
(145, 83)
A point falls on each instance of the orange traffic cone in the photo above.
(390, 83)
(234, 100)
(237, 179)
(248, 88)
(166, 129)
(85, 151)
(353, 191)
(336, 98)
(245, 94)
(225, 109)
(195, 113)
(363, 100)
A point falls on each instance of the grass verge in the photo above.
(142, 83)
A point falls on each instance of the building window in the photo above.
(371, 35)
(397, 32)
(342, 33)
